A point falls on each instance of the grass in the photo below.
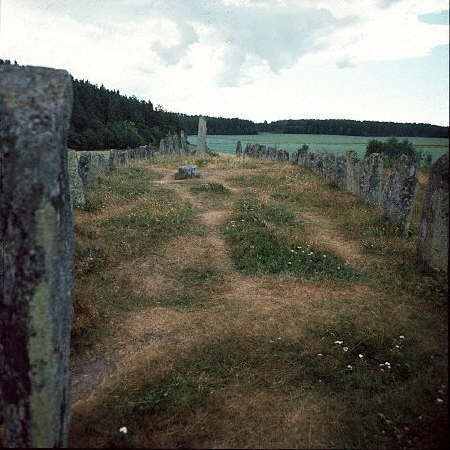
(136, 218)
(266, 354)
(257, 247)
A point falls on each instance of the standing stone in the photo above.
(433, 230)
(201, 146)
(370, 179)
(37, 279)
(352, 172)
(84, 168)
(238, 149)
(122, 157)
(398, 193)
(341, 172)
(162, 146)
(99, 166)
(113, 158)
(184, 146)
(76, 185)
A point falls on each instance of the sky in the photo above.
(253, 59)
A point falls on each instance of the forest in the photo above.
(104, 118)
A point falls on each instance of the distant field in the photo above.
(336, 144)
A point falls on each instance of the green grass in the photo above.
(215, 188)
(370, 400)
(257, 248)
(122, 184)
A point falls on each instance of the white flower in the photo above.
(361, 356)
(439, 400)
(345, 349)
(289, 262)
(402, 337)
(319, 354)
(123, 430)
(339, 342)
(349, 367)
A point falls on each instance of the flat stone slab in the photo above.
(185, 172)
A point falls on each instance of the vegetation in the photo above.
(392, 149)
(216, 349)
(353, 128)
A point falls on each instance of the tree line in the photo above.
(104, 118)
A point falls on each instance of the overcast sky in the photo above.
(253, 59)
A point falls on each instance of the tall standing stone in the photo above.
(370, 179)
(184, 146)
(433, 230)
(341, 172)
(201, 146)
(238, 149)
(76, 185)
(398, 193)
(36, 232)
(352, 163)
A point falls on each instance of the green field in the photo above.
(336, 144)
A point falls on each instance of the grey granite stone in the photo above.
(76, 185)
(37, 279)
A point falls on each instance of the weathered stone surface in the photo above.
(113, 158)
(186, 172)
(433, 230)
(201, 146)
(184, 143)
(341, 172)
(37, 278)
(123, 157)
(99, 166)
(352, 162)
(398, 193)
(238, 149)
(76, 185)
(370, 179)
(84, 168)
(162, 146)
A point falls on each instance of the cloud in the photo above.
(345, 62)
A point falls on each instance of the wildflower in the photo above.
(397, 346)
(345, 349)
(439, 400)
(123, 430)
(361, 356)
(289, 262)
(349, 367)
(324, 256)
(319, 354)
(339, 342)
(292, 251)
(271, 341)
(402, 337)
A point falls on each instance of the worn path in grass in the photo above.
(201, 300)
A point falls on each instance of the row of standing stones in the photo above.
(395, 196)
(41, 182)
(36, 231)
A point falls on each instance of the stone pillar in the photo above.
(370, 179)
(398, 193)
(238, 149)
(433, 230)
(37, 260)
(341, 172)
(184, 147)
(201, 145)
(113, 158)
(84, 168)
(162, 146)
(76, 185)
(352, 172)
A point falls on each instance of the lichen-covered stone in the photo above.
(185, 172)
(99, 166)
(76, 185)
(370, 186)
(123, 157)
(238, 149)
(341, 172)
(433, 230)
(84, 168)
(353, 167)
(113, 158)
(201, 146)
(399, 191)
(37, 256)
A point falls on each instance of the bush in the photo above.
(392, 149)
